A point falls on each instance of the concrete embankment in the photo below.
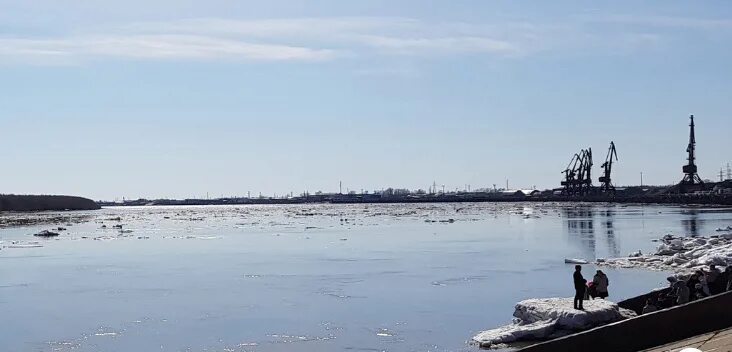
(649, 330)
(41, 202)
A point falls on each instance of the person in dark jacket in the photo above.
(580, 285)
(713, 278)
(691, 285)
(650, 307)
(664, 301)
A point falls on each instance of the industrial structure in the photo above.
(578, 174)
(691, 177)
(606, 184)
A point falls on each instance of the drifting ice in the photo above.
(545, 318)
(681, 254)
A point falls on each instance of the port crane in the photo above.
(691, 177)
(606, 184)
(577, 175)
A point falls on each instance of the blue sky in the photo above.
(178, 99)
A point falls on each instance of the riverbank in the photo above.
(12, 202)
(649, 330)
(475, 197)
(678, 255)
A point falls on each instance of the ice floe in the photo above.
(23, 244)
(546, 318)
(46, 233)
(680, 254)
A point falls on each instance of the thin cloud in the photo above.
(154, 47)
(664, 21)
(448, 45)
(269, 28)
(325, 39)
(305, 39)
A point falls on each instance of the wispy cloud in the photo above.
(152, 47)
(664, 21)
(210, 39)
(324, 39)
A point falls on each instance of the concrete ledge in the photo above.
(650, 330)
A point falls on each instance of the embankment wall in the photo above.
(649, 330)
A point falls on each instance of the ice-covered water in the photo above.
(418, 277)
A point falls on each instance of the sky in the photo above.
(179, 99)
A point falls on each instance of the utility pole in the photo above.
(443, 189)
(721, 174)
(507, 184)
(641, 178)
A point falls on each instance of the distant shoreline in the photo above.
(12, 202)
(685, 199)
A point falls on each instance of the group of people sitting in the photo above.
(698, 285)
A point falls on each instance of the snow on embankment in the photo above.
(681, 254)
(546, 318)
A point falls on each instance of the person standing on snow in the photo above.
(580, 285)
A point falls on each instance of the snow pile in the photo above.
(545, 318)
(681, 254)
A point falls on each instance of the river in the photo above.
(393, 277)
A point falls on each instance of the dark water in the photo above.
(312, 278)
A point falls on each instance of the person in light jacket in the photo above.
(601, 282)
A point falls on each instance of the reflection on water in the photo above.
(580, 223)
(691, 224)
(581, 228)
(612, 241)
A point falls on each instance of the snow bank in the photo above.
(681, 254)
(545, 318)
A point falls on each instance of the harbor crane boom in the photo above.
(606, 184)
(577, 175)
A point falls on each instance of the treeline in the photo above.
(12, 202)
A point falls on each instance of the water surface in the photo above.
(415, 277)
